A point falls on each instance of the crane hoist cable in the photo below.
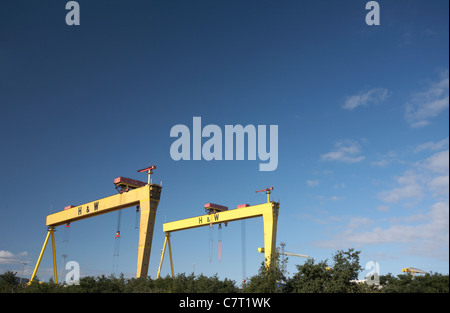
(119, 217)
(64, 248)
(211, 242)
(219, 242)
(136, 224)
(117, 243)
(244, 249)
(213, 208)
(66, 233)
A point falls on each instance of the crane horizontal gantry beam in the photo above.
(105, 205)
(266, 210)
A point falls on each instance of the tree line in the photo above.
(311, 277)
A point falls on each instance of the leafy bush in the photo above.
(311, 277)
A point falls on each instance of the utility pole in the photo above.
(23, 266)
(283, 255)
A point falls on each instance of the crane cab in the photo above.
(124, 184)
(212, 208)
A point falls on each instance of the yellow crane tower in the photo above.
(131, 193)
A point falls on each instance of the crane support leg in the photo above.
(51, 232)
(162, 256)
(54, 255)
(148, 214)
(170, 256)
(166, 241)
(270, 218)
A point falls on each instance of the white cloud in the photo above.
(439, 185)
(433, 146)
(431, 173)
(385, 159)
(7, 257)
(409, 188)
(364, 98)
(422, 232)
(381, 163)
(438, 165)
(322, 198)
(338, 186)
(427, 104)
(428, 238)
(336, 198)
(344, 151)
(383, 208)
(438, 162)
(359, 222)
(312, 183)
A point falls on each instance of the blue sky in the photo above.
(362, 113)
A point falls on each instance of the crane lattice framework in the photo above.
(218, 214)
(131, 193)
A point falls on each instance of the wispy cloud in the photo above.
(312, 183)
(409, 188)
(385, 159)
(347, 151)
(438, 162)
(430, 174)
(365, 98)
(438, 165)
(383, 208)
(439, 185)
(7, 257)
(429, 103)
(425, 235)
(424, 232)
(433, 146)
(324, 199)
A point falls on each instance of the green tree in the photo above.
(213, 284)
(8, 281)
(101, 284)
(201, 283)
(139, 285)
(163, 284)
(41, 287)
(406, 283)
(345, 269)
(318, 278)
(183, 283)
(269, 279)
(310, 278)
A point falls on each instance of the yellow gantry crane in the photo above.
(413, 271)
(131, 193)
(218, 214)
